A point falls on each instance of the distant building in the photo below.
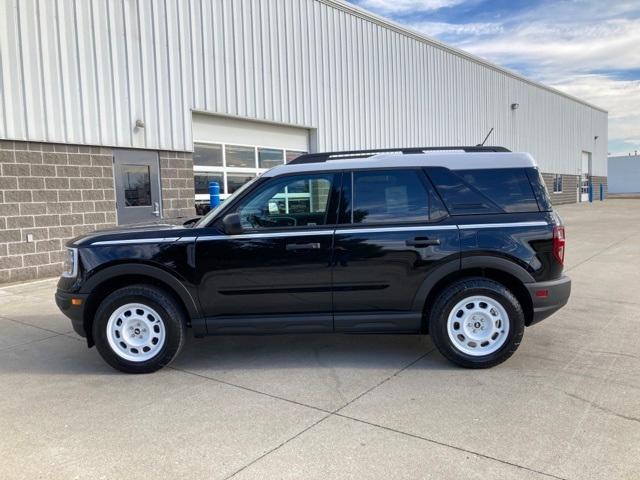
(624, 173)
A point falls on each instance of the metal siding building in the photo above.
(91, 77)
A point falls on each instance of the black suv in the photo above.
(461, 244)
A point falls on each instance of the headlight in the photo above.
(70, 265)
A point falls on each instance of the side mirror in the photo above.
(191, 221)
(231, 224)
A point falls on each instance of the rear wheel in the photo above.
(476, 323)
(139, 329)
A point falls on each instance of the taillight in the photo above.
(559, 244)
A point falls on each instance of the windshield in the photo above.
(214, 213)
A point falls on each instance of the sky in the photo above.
(587, 48)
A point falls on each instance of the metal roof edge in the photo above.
(384, 22)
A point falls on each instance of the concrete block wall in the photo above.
(569, 188)
(176, 174)
(596, 181)
(54, 193)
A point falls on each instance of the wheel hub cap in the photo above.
(478, 325)
(135, 332)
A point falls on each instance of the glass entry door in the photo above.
(585, 176)
(137, 184)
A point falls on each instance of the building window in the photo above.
(240, 156)
(270, 157)
(557, 184)
(202, 180)
(233, 165)
(293, 154)
(207, 155)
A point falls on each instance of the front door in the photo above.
(393, 232)
(585, 176)
(276, 274)
(137, 182)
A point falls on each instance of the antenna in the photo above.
(485, 138)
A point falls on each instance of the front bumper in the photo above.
(557, 296)
(74, 312)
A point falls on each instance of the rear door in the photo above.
(393, 232)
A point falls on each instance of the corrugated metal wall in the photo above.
(84, 71)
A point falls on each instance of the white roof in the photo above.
(450, 160)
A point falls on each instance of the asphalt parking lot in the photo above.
(566, 405)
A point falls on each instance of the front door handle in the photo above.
(421, 242)
(303, 246)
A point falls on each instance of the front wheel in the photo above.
(476, 323)
(139, 329)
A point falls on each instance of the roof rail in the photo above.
(322, 157)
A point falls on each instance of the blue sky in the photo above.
(587, 48)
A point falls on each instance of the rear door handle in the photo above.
(421, 242)
(303, 246)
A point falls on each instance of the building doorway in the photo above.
(585, 177)
(137, 182)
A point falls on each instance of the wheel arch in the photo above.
(103, 283)
(507, 273)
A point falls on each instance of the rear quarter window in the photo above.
(483, 191)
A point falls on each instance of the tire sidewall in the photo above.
(444, 307)
(166, 309)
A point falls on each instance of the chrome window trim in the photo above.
(397, 229)
(474, 226)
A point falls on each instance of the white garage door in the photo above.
(233, 151)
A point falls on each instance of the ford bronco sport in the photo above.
(462, 244)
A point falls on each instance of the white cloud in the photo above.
(620, 97)
(568, 45)
(402, 6)
(612, 44)
(435, 29)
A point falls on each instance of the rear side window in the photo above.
(485, 190)
(392, 196)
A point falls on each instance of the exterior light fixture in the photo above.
(515, 106)
(139, 124)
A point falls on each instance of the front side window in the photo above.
(295, 201)
(392, 196)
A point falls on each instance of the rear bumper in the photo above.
(74, 312)
(558, 292)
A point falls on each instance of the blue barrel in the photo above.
(601, 192)
(590, 192)
(214, 194)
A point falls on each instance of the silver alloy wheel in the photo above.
(478, 325)
(135, 332)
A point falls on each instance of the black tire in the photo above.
(171, 315)
(457, 292)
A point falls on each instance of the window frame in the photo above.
(223, 170)
(332, 203)
(423, 178)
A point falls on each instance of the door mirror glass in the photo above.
(191, 221)
(231, 224)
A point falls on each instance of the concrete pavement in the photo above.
(566, 405)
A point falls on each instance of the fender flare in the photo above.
(146, 270)
(459, 264)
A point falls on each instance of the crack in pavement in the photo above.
(602, 408)
(336, 412)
